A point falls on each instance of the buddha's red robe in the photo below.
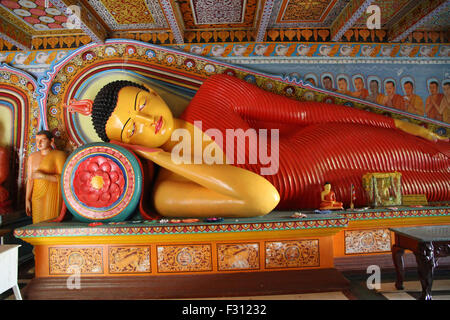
(321, 142)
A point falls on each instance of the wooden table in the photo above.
(428, 243)
(8, 269)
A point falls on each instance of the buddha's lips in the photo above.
(159, 124)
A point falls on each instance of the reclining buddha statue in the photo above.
(314, 143)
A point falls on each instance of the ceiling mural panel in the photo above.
(36, 14)
(389, 10)
(47, 24)
(304, 10)
(218, 14)
(130, 14)
(424, 11)
(305, 13)
(440, 21)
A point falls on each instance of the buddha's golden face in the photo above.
(140, 117)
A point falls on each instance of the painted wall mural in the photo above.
(378, 73)
(423, 90)
(398, 91)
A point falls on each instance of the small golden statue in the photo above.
(328, 198)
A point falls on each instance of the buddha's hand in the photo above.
(419, 131)
(134, 147)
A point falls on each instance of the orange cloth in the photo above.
(46, 197)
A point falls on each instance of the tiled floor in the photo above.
(358, 288)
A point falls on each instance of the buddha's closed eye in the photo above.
(142, 106)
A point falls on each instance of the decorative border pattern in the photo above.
(174, 26)
(396, 214)
(64, 231)
(326, 50)
(33, 232)
(264, 21)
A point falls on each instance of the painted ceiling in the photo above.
(27, 24)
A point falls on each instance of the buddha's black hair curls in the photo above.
(105, 102)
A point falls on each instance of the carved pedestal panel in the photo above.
(70, 260)
(237, 256)
(367, 241)
(292, 254)
(129, 260)
(189, 258)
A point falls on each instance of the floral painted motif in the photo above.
(98, 182)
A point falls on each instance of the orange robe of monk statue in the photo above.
(328, 198)
(44, 168)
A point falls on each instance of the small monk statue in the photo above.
(328, 198)
(44, 168)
